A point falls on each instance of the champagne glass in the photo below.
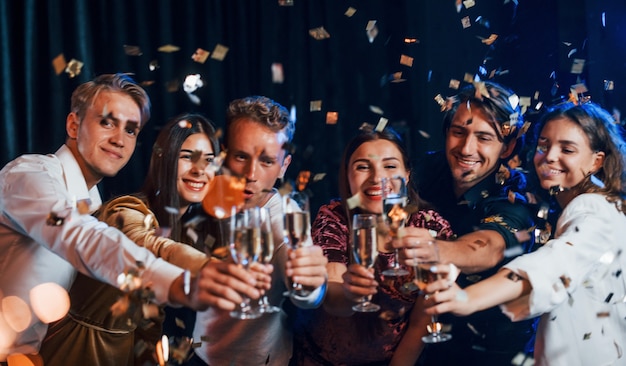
(223, 199)
(365, 252)
(297, 229)
(245, 247)
(395, 199)
(266, 255)
(423, 276)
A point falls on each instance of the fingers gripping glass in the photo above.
(423, 276)
(297, 229)
(267, 253)
(365, 251)
(245, 234)
(395, 199)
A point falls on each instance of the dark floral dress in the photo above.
(363, 338)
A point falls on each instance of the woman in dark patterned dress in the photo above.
(334, 334)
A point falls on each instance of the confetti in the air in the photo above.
(315, 105)
(168, 48)
(132, 50)
(331, 118)
(277, 73)
(200, 56)
(319, 33)
(406, 60)
(59, 64)
(350, 12)
(73, 68)
(219, 52)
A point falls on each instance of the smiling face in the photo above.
(563, 156)
(472, 148)
(369, 163)
(256, 153)
(105, 139)
(194, 175)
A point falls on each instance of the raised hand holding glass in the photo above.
(395, 199)
(365, 251)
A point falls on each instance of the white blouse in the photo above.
(578, 287)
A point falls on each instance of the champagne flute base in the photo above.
(269, 309)
(436, 338)
(238, 314)
(366, 307)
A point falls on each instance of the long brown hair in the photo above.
(367, 134)
(603, 135)
(160, 189)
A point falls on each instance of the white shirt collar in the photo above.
(75, 180)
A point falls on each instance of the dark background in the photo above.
(533, 54)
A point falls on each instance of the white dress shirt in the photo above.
(44, 239)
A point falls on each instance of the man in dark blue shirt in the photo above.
(484, 202)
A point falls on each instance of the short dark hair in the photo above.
(495, 101)
(263, 110)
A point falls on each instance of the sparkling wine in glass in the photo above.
(297, 229)
(266, 255)
(245, 248)
(365, 252)
(423, 276)
(395, 199)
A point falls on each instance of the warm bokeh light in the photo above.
(16, 313)
(50, 302)
(25, 360)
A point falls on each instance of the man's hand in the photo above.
(412, 245)
(307, 266)
(220, 285)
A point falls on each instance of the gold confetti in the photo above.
(302, 180)
(577, 66)
(565, 280)
(350, 12)
(586, 336)
(83, 206)
(371, 30)
(489, 41)
(319, 33)
(331, 118)
(579, 88)
(376, 109)
(319, 176)
(424, 134)
(469, 3)
(179, 323)
(200, 56)
(406, 60)
(354, 201)
(59, 64)
(411, 40)
(468, 78)
(454, 84)
(219, 52)
(132, 50)
(315, 105)
(74, 68)
(466, 22)
(511, 196)
(277, 73)
(285, 2)
(168, 48)
(172, 85)
(396, 77)
(382, 123)
(54, 220)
